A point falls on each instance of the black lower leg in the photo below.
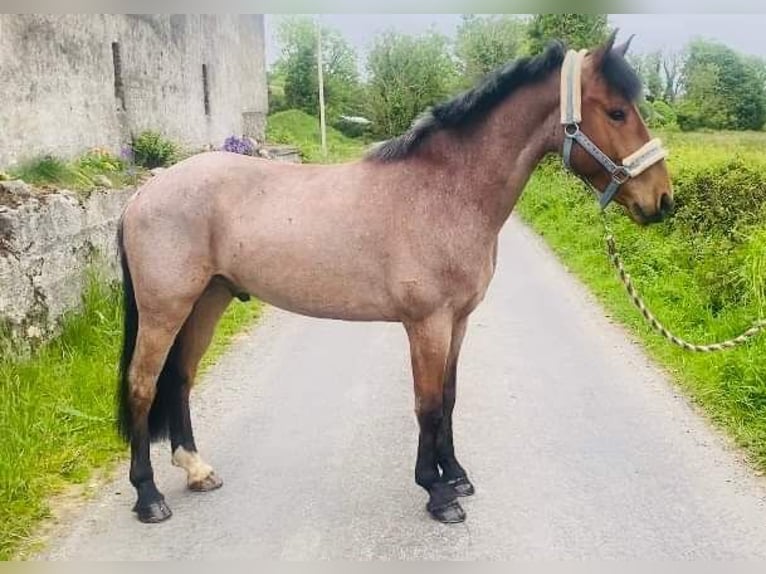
(181, 433)
(452, 471)
(150, 506)
(442, 503)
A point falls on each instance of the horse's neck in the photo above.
(501, 154)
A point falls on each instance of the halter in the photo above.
(571, 116)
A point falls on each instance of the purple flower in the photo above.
(243, 146)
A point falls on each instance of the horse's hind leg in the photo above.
(192, 342)
(430, 342)
(452, 471)
(154, 340)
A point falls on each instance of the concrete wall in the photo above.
(57, 74)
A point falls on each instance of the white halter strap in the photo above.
(571, 87)
(571, 116)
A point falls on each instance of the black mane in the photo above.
(475, 103)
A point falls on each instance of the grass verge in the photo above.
(676, 276)
(57, 409)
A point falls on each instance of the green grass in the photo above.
(701, 286)
(299, 129)
(57, 409)
(82, 175)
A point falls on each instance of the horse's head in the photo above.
(608, 142)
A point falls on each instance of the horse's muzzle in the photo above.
(664, 210)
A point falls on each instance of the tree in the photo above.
(487, 42)
(648, 67)
(578, 31)
(296, 69)
(672, 65)
(723, 89)
(407, 74)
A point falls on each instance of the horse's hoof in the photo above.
(154, 512)
(211, 482)
(462, 486)
(449, 513)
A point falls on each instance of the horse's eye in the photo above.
(617, 115)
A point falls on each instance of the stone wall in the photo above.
(76, 81)
(50, 241)
(47, 244)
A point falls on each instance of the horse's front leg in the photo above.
(430, 342)
(453, 472)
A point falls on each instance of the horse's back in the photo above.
(298, 236)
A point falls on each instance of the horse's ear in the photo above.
(600, 53)
(622, 49)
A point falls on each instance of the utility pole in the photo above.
(322, 121)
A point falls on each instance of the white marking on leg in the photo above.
(196, 468)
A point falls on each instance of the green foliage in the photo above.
(487, 42)
(276, 91)
(753, 270)
(297, 70)
(578, 31)
(661, 115)
(723, 89)
(49, 171)
(407, 74)
(57, 409)
(81, 175)
(352, 129)
(648, 67)
(721, 198)
(703, 273)
(99, 162)
(151, 149)
(294, 127)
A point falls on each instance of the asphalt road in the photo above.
(578, 446)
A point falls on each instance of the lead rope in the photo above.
(614, 257)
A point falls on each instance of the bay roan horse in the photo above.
(407, 234)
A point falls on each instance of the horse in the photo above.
(408, 234)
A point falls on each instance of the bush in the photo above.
(98, 161)
(689, 116)
(351, 128)
(407, 74)
(151, 150)
(725, 198)
(662, 115)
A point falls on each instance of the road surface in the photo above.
(578, 446)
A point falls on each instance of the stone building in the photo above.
(73, 82)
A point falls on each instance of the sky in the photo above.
(743, 32)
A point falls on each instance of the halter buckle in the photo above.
(621, 175)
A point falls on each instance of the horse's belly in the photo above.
(321, 292)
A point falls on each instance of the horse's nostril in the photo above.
(666, 204)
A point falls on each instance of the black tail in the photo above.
(169, 382)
